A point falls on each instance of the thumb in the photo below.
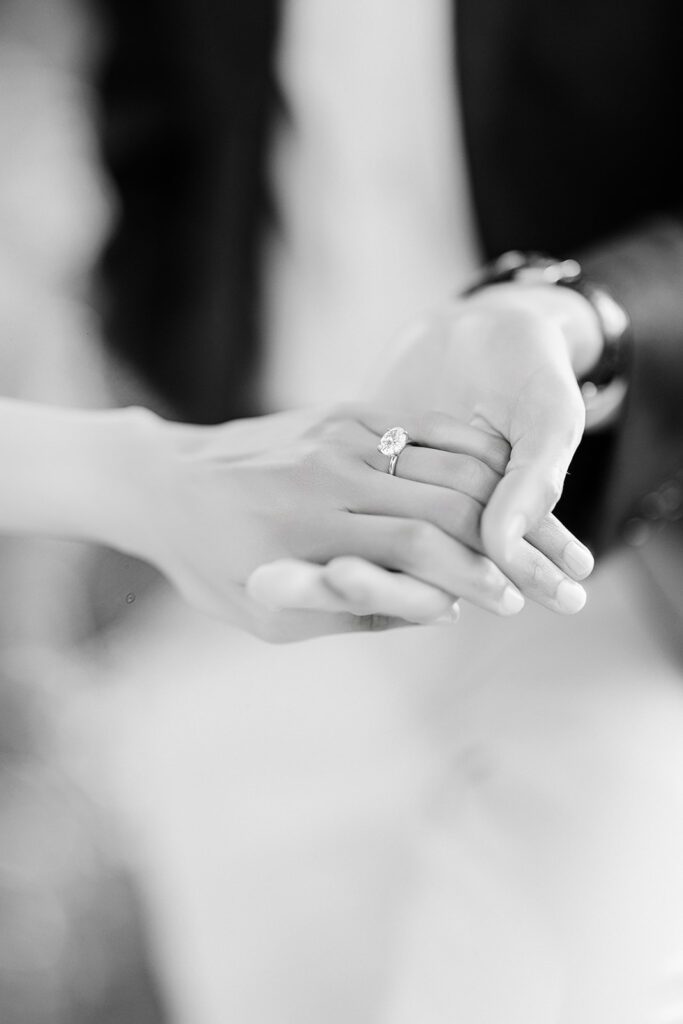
(534, 477)
(294, 602)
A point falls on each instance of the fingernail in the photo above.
(515, 531)
(570, 596)
(511, 601)
(578, 559)
(450, 617)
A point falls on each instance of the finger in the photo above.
(554, 540)
(482, 423)
(455, 514)
(287, 625)
(539, 571)
(455, 471)
(294, 583)
(349, 585)
(369, 588)
(271, 610)
(549, 556)
(540, 580)
(533, 481)
(421, 550)
(438, 430)
(281, 625)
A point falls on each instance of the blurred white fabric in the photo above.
(551, 887)
(54, 212)
(374, 222)
(482, 823)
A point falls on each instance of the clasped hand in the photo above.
(506, 361)
(300, 531)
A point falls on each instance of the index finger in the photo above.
(292, 600)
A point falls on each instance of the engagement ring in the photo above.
(392, 444)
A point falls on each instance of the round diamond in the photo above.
(393, 442)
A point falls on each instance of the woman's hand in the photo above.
(209, 505)
(313, 487)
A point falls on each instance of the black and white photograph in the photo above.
(341, 512)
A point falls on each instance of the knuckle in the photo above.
(326, 469)
(471, 521)
(339, 568)
(312, 461)
(498, 454)
(335, 431)
(499, 316)
(569, 434)
(568, 416)
(489, 536)
(490, 576)
(334, 425)
(529, 573)
(416, 543)
(430, 424)
(463, 516)
(537, 576)
(359, 595)
(575, 405)
(551, 488)
(482, 576)
(474, 476)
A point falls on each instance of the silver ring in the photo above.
(391, 444)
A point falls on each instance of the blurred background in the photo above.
(73, 944)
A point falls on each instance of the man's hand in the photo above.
(506, 360)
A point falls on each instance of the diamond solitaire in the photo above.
(392, 444)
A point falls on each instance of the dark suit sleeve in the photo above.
(643, 268)
(186, 91)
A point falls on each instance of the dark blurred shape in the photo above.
(187, 89)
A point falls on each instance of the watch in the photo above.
(615, 325)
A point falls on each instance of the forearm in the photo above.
(74, 474)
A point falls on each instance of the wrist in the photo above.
(565, 309)
(77, 474)
(123, 496)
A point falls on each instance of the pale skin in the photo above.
(506, 359)
(289, 525)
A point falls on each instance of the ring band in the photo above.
(391, 444)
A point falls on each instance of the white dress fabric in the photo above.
(371, 191)
(550, 887)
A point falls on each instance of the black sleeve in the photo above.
(615, 469)
(186, 90)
